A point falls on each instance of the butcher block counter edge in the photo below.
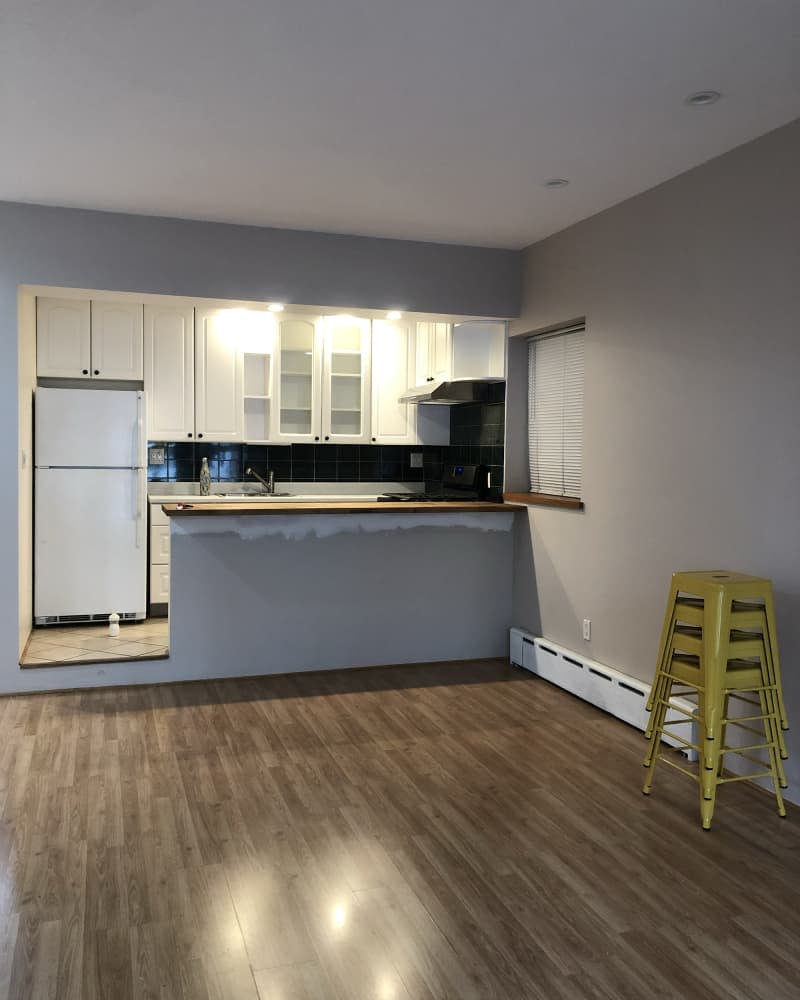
(247, 508)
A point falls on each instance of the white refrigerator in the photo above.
(90, 497)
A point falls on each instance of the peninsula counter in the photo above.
(278, 587)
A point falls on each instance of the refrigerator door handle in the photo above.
(138, 510)
(138, 457)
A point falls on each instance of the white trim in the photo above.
(611, 690)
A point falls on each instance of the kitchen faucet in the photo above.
(268, 483)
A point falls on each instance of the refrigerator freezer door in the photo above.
(90, 545)
(89, 427)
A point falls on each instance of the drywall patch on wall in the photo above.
(299, 528)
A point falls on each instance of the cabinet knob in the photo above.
(374, 439)
(429, 378)
(317, 437)
(199, 435)
(189, 434)
(97, 371)
(85, 371)
(327, 437)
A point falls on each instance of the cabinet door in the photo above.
(345, 380)
(63, 339)
(393, 371)
(422, 354)
(159, 544)
(441, 362)
(169, 372)
(159, 584)
(117, 340)
(218, 366)
(298, 385)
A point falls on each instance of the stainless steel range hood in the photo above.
(451, 392)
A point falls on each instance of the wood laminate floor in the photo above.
(415, 832)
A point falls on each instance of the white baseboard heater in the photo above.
(614, 692)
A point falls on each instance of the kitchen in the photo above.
(333, 407)
(615, 179)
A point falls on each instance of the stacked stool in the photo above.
(719, 643)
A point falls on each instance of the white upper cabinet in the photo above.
(63, 338)
(433, 352)
(346, 380)
(79, 339)
(298, 382)
(169, 372)
(218, 375)
(117, 340)
(393, 371)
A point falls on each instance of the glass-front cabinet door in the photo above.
(299, 384)
(346, 380)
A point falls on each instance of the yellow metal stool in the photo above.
(718, 641)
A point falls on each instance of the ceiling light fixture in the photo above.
(702, 98)
(556, 182)
(394, 314)
(276, 307)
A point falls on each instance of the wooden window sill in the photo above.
(544, 500)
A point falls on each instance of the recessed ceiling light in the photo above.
(556, 182)
(702, 98)
(276, 307)
(394, 314)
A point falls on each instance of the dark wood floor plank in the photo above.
(425, 833)
(294, 982)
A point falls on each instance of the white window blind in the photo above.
(555, 412)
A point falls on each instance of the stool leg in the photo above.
(768, 668)
(716, 640)
(771, 723)
(722, 734)
(711, 713)
(772, 728)
(666, 631)
(657, 717)
(661, 685)
(769, 610)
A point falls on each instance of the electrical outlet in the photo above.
(587, 629)
(157, 456)
(415, 460)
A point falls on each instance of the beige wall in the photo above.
(691, 294)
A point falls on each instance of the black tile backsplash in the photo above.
(298, 462)
(476, 437)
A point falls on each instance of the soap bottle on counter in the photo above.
(205, 478)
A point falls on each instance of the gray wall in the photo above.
(691, 294)
(59, 246)
(318, 592)
(52, 246)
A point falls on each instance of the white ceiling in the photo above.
(425, 119)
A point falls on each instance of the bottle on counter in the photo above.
(205, 478)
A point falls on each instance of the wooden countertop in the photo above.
(247, 507)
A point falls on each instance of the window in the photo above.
(555, 412)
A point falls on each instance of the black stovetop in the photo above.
(427, 497)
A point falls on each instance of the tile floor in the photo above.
(92, 643)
